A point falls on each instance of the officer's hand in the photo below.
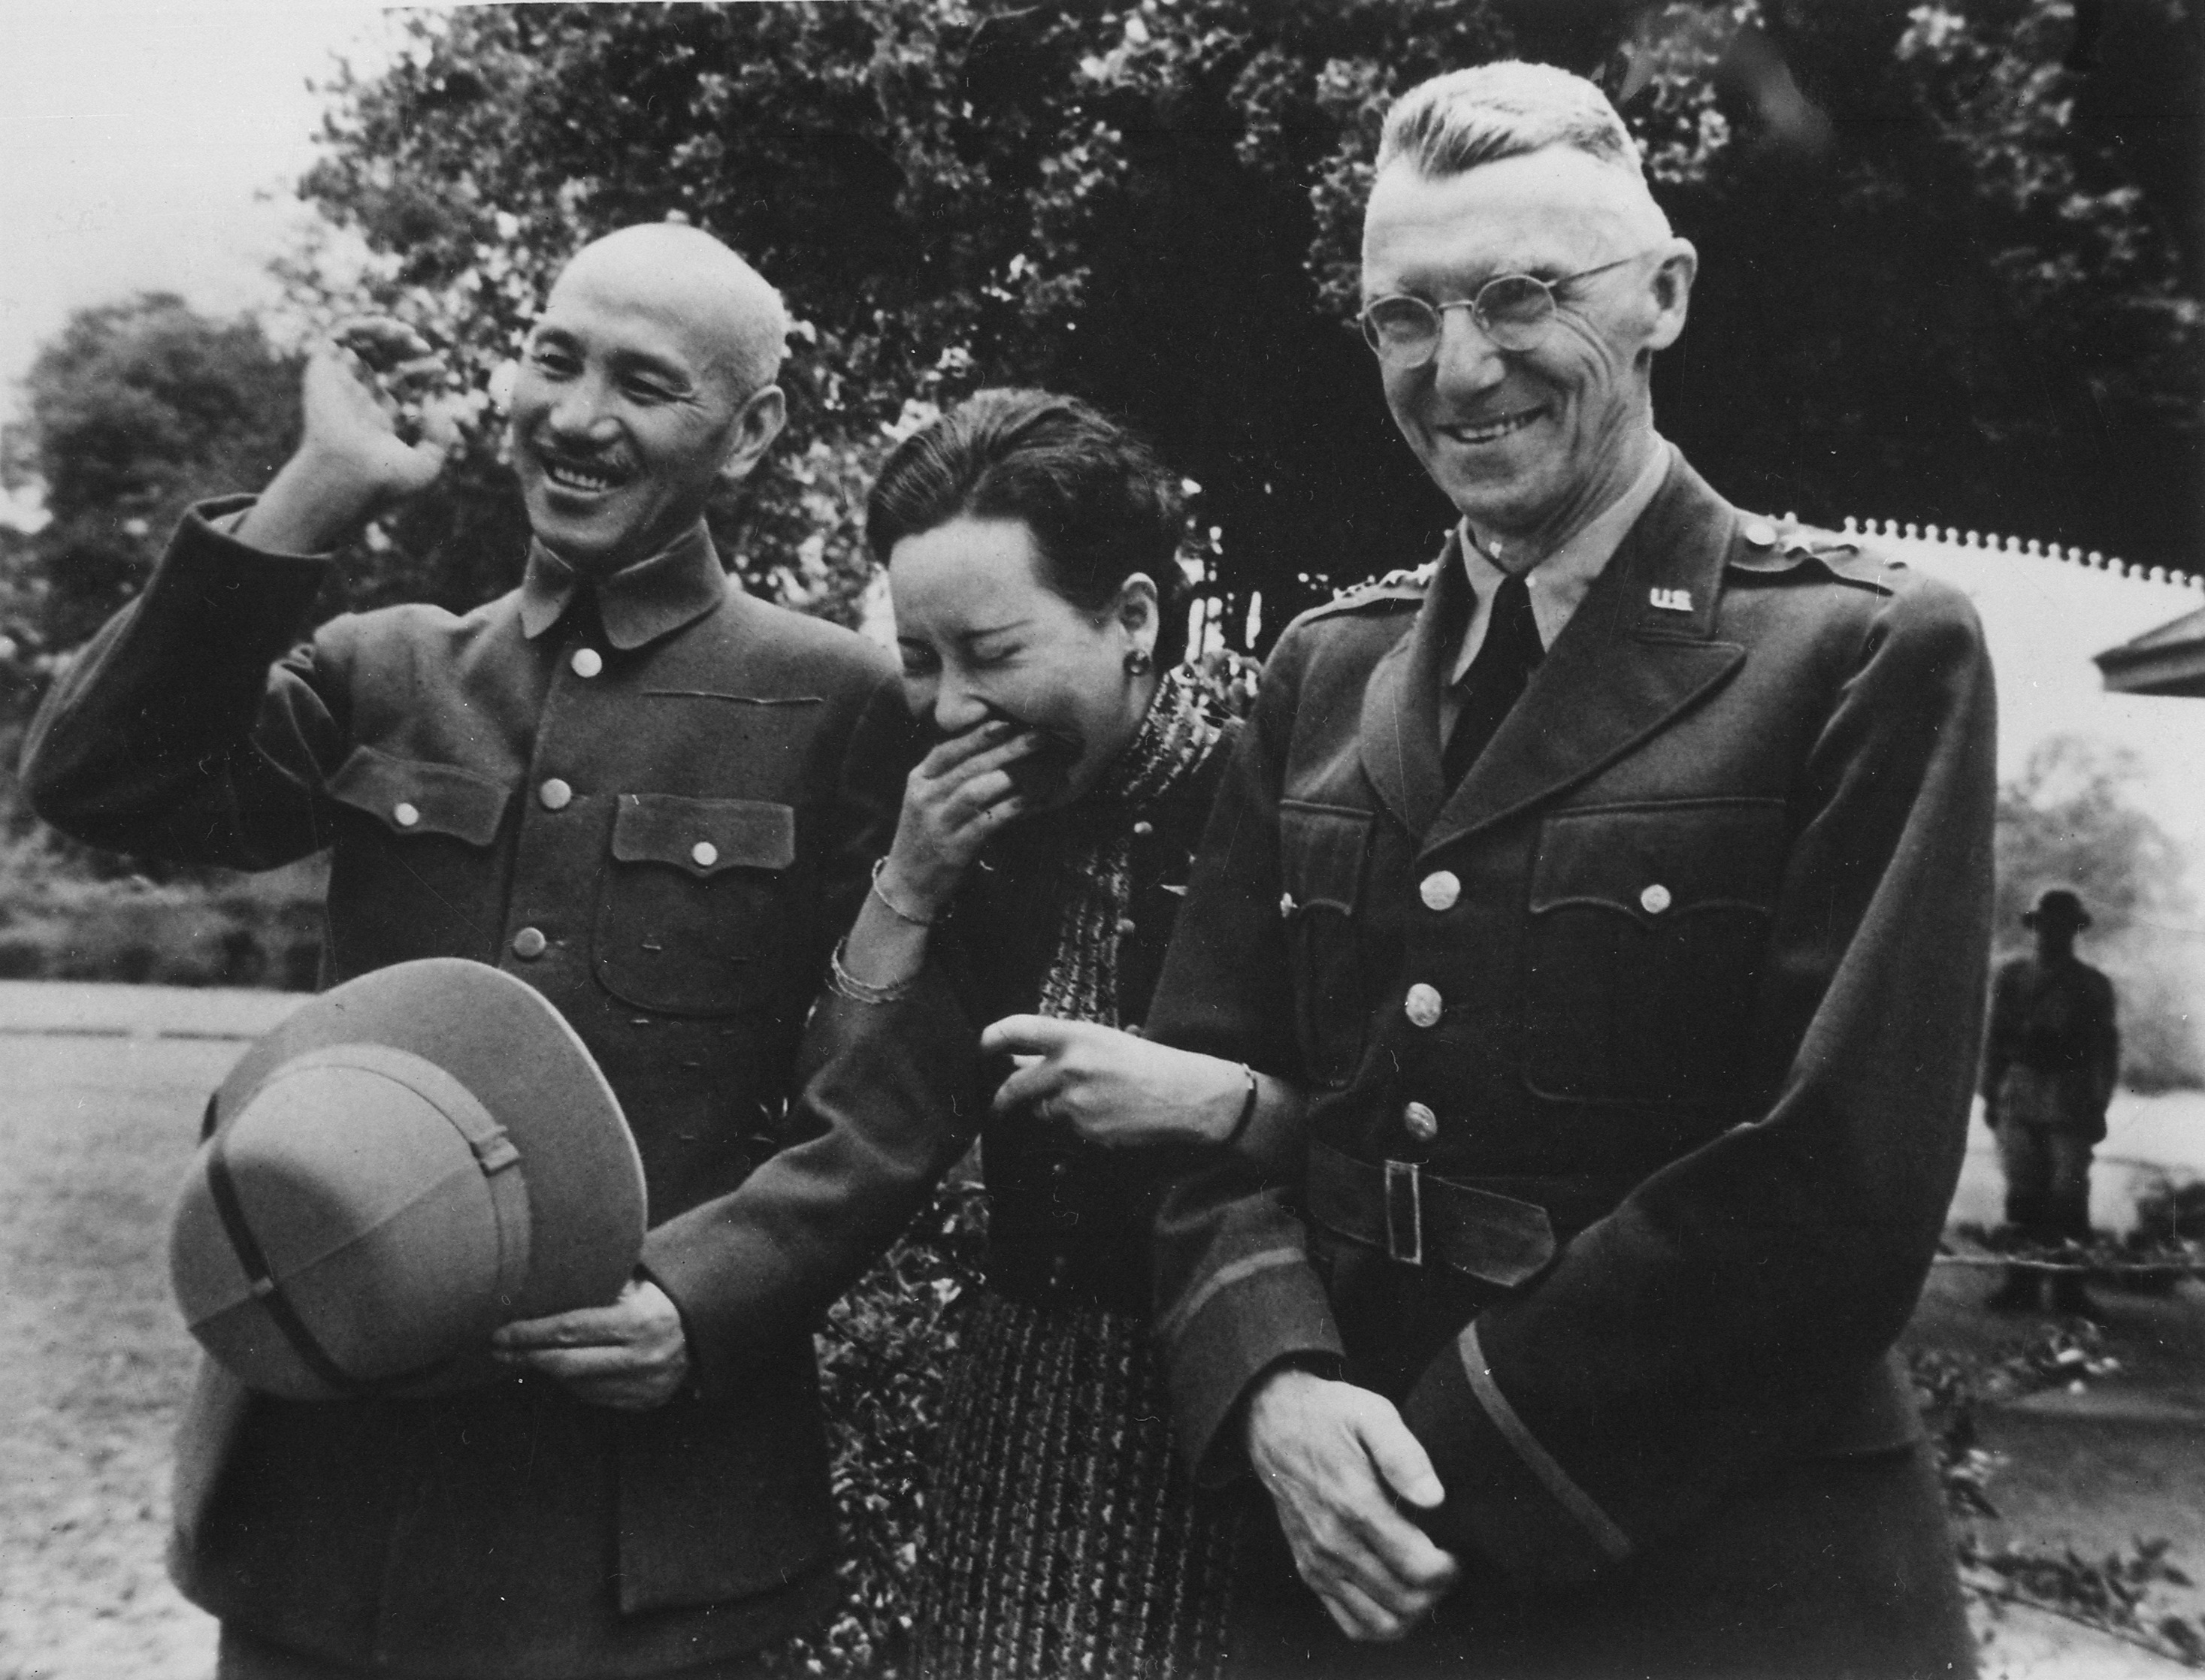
(632, 1355)
(954, 799)
(1335, 1458)
(1113, 1087)
(378, 428)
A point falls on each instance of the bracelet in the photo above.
(845, 984)
(890, 904)
(1247, 1111)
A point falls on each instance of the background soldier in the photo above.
(2052, 1055)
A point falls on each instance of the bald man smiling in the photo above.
(649, 796)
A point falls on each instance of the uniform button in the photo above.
(1125, 927)
(1654, 899)
(405, 815)
(528, 944)
(1143, 830)
(556, 794)
(704, 854)
(1422, 1005)
(1439, 889)
(1059, 1269)
(1761, 534)
(587, 662)
(1058, 1169)
(1420, 1123)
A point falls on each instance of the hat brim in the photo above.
(2059, 918)
(503, 1040)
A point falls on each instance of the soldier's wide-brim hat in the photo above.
(2059, 906)
(408, 1161)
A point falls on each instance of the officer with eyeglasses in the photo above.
(1620, 884)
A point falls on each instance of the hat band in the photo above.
(493, 1149)
(222, 1189)
(494, 1153)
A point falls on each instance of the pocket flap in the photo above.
(415, 796)
(704, 836)
(1655, 862)
(1321, 849)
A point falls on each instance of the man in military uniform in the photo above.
(2051, 1055)
(650, 796)
(1622, 887)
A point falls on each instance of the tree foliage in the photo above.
(1956, 301)
(136, 410)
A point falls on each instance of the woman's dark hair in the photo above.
(1099, 503)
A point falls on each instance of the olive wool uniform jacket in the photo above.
(1643, 1060)
(657, 806)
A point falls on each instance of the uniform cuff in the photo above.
(1262, 1310)
(213, 523)
(1508, 1500)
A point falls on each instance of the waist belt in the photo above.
(1419, 1218)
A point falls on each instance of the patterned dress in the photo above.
(1064, 1537)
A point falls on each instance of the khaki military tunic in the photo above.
(655, 802)
(1644, 1057)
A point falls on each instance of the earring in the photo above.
(1137, 663)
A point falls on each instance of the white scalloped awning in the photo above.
(2045, 611)
(2167, 659)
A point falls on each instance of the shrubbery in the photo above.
(57, 922)
(884, 1362)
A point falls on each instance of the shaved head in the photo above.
(690, 278)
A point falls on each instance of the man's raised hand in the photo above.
(1336, 1459)
(377, 430)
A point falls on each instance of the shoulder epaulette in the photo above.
(1770, 548)
(1404, 586)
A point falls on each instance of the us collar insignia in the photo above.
(1670, 600)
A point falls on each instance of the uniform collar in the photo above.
(1560, 578)
(638, 603)
(1641, 649)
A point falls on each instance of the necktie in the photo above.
(1511, 651)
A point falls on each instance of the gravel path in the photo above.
(100, 1092)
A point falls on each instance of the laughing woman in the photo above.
(1030, 546)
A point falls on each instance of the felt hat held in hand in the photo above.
(412, 1159)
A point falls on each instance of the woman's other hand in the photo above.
(1114, 1088)
(956, 797)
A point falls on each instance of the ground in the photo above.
(97, 1118)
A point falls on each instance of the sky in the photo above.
(139, 141)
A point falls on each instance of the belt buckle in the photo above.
(1405, 1213)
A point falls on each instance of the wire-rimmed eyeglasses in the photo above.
(1513, 310)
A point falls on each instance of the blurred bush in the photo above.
(58, 923)
(883, 1361)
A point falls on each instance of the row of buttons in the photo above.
(1442, 887)
(556, 794)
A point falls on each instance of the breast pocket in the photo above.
(694, 918)
(1322, 850)
(411, 873)
(1648, 928)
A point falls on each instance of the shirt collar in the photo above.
(1562, 577)
(638, 603)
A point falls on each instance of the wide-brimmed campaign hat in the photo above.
(2058, 906)
(410, 1161)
